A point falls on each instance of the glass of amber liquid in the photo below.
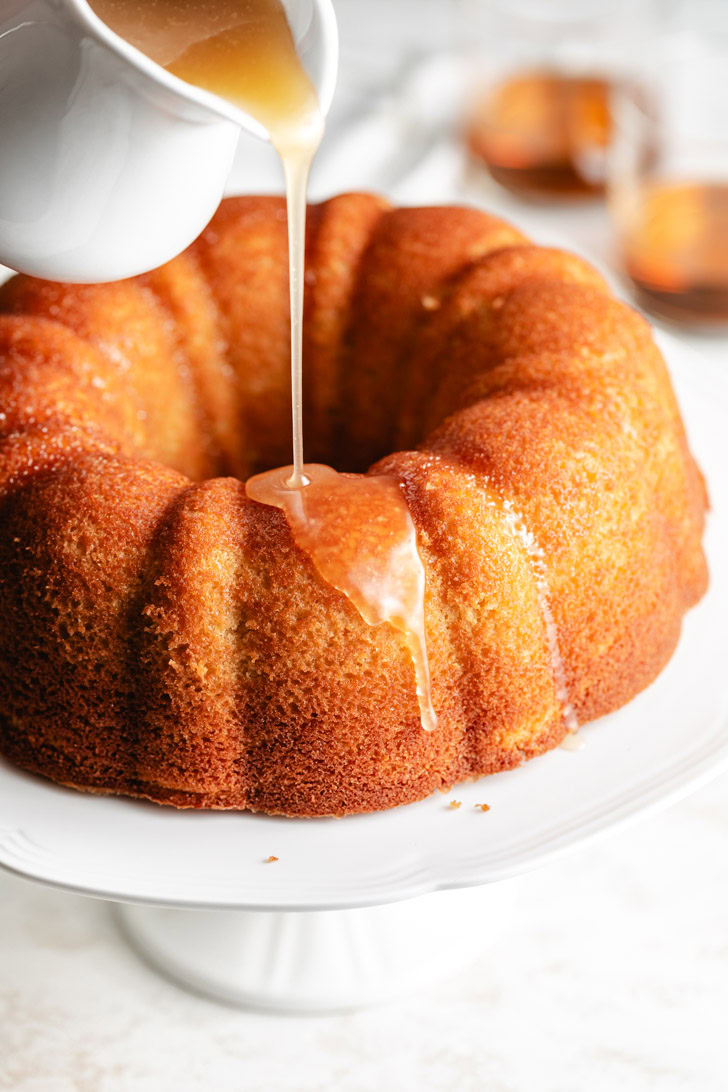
(668, 187)
(539, 119)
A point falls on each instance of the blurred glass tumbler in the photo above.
(543, 72)
(670, 204)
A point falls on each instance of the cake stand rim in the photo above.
(709, 770)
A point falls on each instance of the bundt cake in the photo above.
(162, 636)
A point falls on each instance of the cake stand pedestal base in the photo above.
(318, 961)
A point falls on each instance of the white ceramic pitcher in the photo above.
(109, 165)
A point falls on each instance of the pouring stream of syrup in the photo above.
(243, 51)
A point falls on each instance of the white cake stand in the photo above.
(347, 914)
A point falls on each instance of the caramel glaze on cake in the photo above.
(162, 636)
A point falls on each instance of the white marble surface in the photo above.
(612, 973)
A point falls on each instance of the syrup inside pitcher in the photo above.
(241, 50)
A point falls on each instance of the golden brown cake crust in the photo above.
(162, 636)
